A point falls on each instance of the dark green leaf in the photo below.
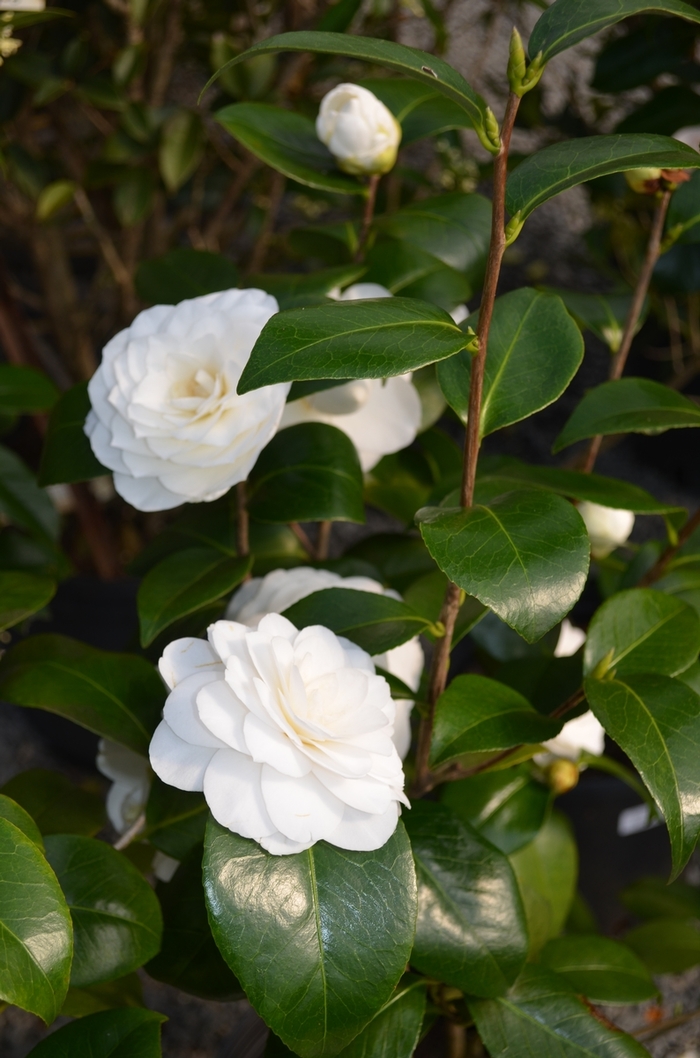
(15, 814)
(397, 484)
(24, 389)
(23, 502)
(411, 272)
(393, 1032)
(476, 714)
(318, 972)
(667, 945)
(183, 274)
(409, 61)
(351, 339)
(288, 142)
(22, 594)
(471, 925)
(671, 108)
(454, 229)
(571, 162)
(375, 622)
(629, 405)
(419, 109)
(118, 696)
(508, 807)
(534, 351)
(309, 472)
(426, 595)
(398, 558)
(603, 314)
(646, 630)
(656, 721)
(567, 22)
(176, 819)
(116, 916)
(654, 898)
(683, 215)
(602, 970)
(184, 583)
(542, 1015)
(55, 804)
(36, 943)
(181, 148)
(110, 995)
(291, 289)
(134, 196)
(109, 1034)
(67, 455)
(546, 870)
(526, 556)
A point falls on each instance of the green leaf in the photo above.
(15, 814)
(24, 389)
(525, 556)
(188, 958)
(110, 995)
(508, 807)
(567, 22)
(646, 630)
(134, 197)
(471, 929)
(629, 405)
(419, 109)
(654, 898)
(546, 870)
(287, 142)
(116, 915)
(181, 148)
(36, 943)
(603, 970)
(351, 339)
(184, 583)
(183, 274)
(377, 623)
(393, 1032)
(21, 595)
(23, 502)
(683, 214)
(318, 973)
(656, 721)
(293, 289)
(309, 472)
(55, 804)
(67, 455)
(426, 595)
(409, 61)
(603, 314)
(109, 1034)
(476, 714)
(571, 162)
(399, 559)
(411, 272)
(667, 945)
(118, 696)
(176, 819)
(534, 351)
(542, 1015)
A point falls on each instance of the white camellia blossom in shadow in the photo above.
(584, 732)
(379, 415)
(279, 590)
(287, 732)
(607, 527)
(165, 415)
(359, 130)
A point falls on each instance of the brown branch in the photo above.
(303, 539)
(242, 521)
(367, 217)
(323, 540)
(257, 260)
(439, 668)
(648, 1032)
(111, 255)
(659, 567)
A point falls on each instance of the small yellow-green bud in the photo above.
(513, 228)
(562, 776)
(492, 137)
(517, 63)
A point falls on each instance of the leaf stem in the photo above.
(640, 292)
(367, 217)
(323, 540)
(659, 567)
(651, 1031)
(131, 834)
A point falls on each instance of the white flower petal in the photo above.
(360, 832)
(269, 745)
(182, 657)
(222, 714)
(178, 763)
(233, 792)
(301, 809)
(181, 713)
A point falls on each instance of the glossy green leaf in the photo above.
(23, 502)
(377, 623)
(419, 109)
(604, 315)
(525, 556)
(319, 972)
(646, 630)
(476, 714)
(656, 721)
(56, 805)
(184, 583)
(603, 970)
(546, 870)
(108, 1034)
(534, 351)
(36, 943)
(654, 898)
(116, 916)
(19, 817)
(288, 142)
(508, 807)
(67, 455)
(542, 1015)
(471, 929)
(351, 339)
(292, 289)
(183, 274)
(629, 405)
(181, 148)
(307, 473)
(563, 165)
(426, 596)
(408, 271)
(393, 1032)
(109, 995)
(24, 389)
(667, 945)
(567, 22)
(188, 958)
(408, 61)
(21, 595)
(399, 559)
(175, 819)
(118, 696)
(399, 484)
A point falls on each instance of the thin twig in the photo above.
(303, 539)
(367, 217)
(229, 200)
(659, 567)
(242, 521)
(257, 260)
(651, 1031)
(166, 53)
(109, 251)
(323, 540)
(131, 834)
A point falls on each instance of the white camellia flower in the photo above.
(379, 415)
(279, 590)
(131, 782)
(690, 135)
(585, 732)
(166, 417)
(607, 527)
(287, 732)
(570, 639)
(359, 131)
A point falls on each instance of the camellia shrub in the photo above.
(303, 807)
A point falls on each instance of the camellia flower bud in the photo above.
(562, 776)
(649, 180)
(357, 128)
(607, 527)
